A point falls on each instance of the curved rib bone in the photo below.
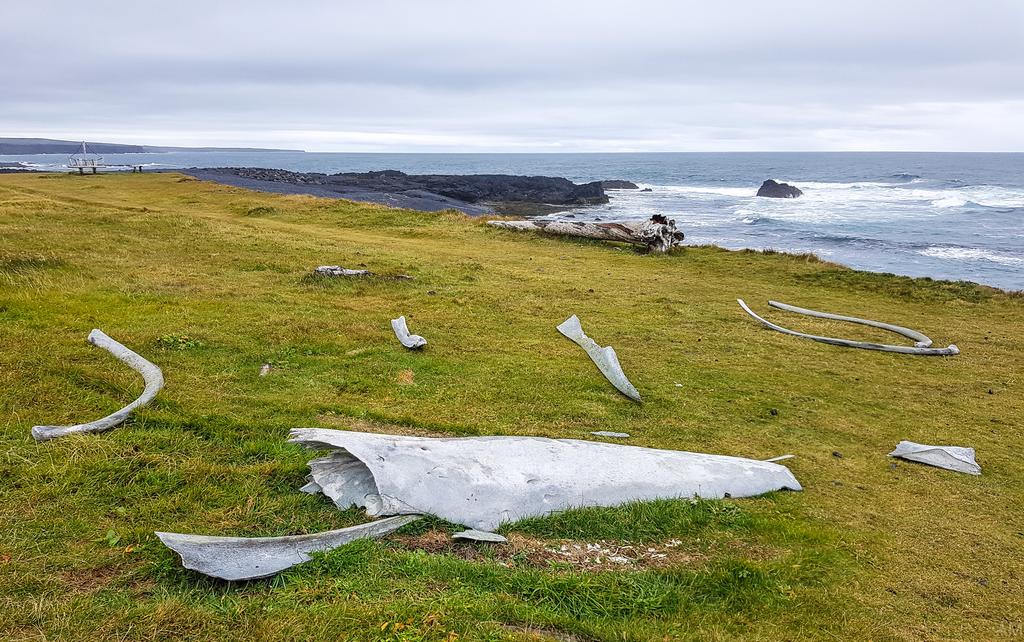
(605, 359)
(250, 558)
(411, 341)
(150, 374)
(921, 341)
(919, 349)
(482, 482)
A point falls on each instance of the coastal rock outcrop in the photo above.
(472, 194)
(773, 189)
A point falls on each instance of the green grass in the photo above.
(211, 282)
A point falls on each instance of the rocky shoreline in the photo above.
(473, 194)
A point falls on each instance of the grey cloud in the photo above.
(592, 75)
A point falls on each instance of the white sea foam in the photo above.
(949, 201)
(972, 254)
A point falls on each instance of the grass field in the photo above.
(211, 282)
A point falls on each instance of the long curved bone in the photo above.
(922, 347)
(250, 558)
(921, 341)
(411, 341)
(482, 482)
(605, 359)
(150, 374)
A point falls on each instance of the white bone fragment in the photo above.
(605, 359)
(250, 558)
(949, 457)
(151, 374)
(480, 536)
(337, 270)
(605, 433)
(264, 369)
(918, 349)
(482, 482)
(411, 341)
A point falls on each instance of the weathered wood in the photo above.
(658, 234)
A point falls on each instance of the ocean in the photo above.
(943, 215)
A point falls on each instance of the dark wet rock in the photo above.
(473, 194)
(619, 184)
(647, 189)
(773, 189)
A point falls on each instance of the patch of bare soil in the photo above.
(89, 580)
(600, 555)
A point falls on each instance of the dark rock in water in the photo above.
(772, 189)
(619, 184)
(12, 168)
(647, 189)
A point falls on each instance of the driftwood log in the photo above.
(657, 234)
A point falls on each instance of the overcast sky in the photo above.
(518, 75)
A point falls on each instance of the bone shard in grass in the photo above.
(480, 536)
(955, 458)
(921, 347)
(482, 482)
(151, 375)
(605, 358)
(337, 270)
(411, 341)
(251, 558)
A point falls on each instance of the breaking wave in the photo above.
(954, 253)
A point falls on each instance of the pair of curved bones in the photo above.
(922, 345)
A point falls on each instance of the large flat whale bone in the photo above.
(411, 341)
(605, 359)
(949, 457)
(251, 558)
(921, 348)
(151, 374)
(483, 482)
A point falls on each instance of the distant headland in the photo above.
(12, 146)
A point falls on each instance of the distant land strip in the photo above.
(17, 146)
